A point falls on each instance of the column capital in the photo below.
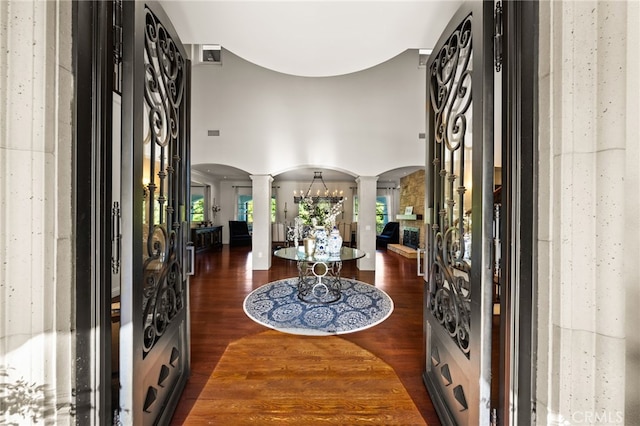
(260, 177)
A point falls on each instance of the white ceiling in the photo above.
(312, 38)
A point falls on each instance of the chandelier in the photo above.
(324, 196)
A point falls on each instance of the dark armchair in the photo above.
(239, 233)
(389, 235)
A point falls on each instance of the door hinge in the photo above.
(497, 36)
(115, 238)
(494, 417)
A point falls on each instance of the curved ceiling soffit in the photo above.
(299, 172)
(296, 173)
(218, 171)
(312, 38)
(308, 169)
(316, 72)
(407, 169)
(395, 175)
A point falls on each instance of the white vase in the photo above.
(334, 245)
(321, 241)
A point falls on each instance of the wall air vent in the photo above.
(423, 57)
(213, 132)
(210, 54)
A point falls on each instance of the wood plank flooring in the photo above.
(335, 382)
(224, 278)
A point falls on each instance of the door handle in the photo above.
(191, 259)
(115, 238)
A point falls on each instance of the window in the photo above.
(382, 212)
(245, 208)
(197, 212)
(356, 208)
(197, 208)
(273, 209)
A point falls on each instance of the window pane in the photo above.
(197, 208)
(273, 209)
(245, 208)
(382, 212)
(356, 208)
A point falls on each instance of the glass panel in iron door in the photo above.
(154, 334)
(459, 196)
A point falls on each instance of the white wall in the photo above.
(364, 123)
(588, 231)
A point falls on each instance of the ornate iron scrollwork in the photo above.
(163, 292)
(117, 46)
(450, 99)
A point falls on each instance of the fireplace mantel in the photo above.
(408, 217)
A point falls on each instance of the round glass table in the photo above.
(319, 276)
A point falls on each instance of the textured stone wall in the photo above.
(412, 193)
(588, 233)
(36, 248)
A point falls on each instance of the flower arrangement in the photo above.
(313, 216)
(319, 215)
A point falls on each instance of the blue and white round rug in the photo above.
(276, 305)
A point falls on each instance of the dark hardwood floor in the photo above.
(224, 278)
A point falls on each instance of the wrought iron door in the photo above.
(458, 287)
(154, 332)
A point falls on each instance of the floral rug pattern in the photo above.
(276, 305)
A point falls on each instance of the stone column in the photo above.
(261, 241)
(36, 245)
(631, 205)
(588, 233)
(367, 221)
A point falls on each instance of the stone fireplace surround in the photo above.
(412, 193)
(411, 237)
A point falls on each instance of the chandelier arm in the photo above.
(309, 190)
(326, 190)
(316, 175)
(315, 199)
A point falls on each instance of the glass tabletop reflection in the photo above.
(298, 254)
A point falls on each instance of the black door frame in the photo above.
(93, 72)
(519, 201)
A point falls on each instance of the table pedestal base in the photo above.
(319, 282)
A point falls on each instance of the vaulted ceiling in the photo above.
(312, 38)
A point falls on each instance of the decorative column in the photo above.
(366, 234)
(37, 346)
(261, 238)
(588, 228)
